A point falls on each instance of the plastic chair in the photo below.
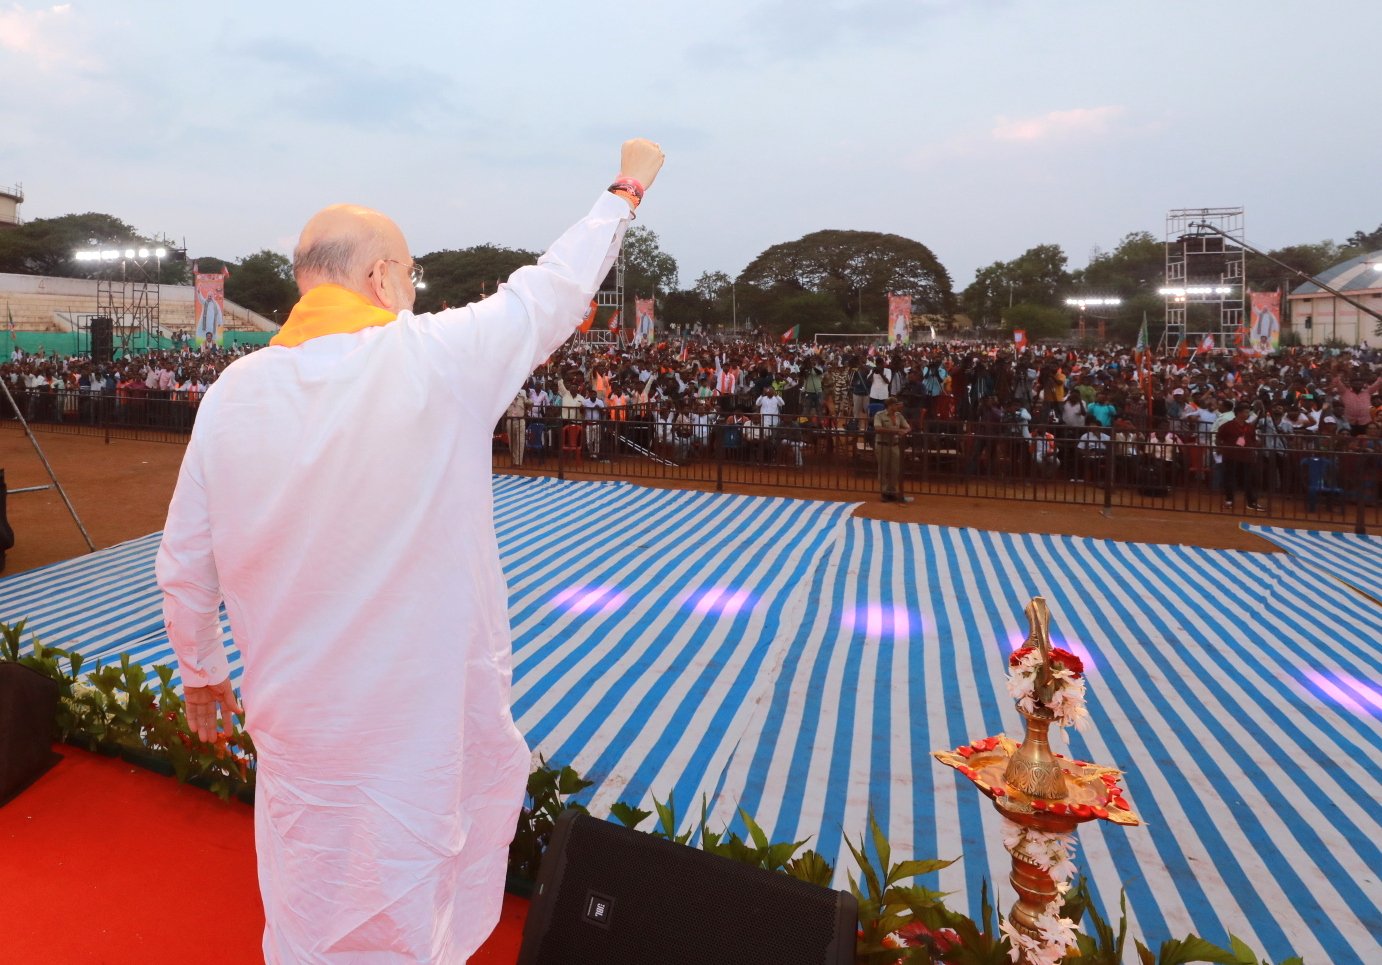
(571, 442)
(1319, 473)
(537, 439)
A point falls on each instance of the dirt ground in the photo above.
(120, 490)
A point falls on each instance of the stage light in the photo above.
(115, 254)
(1195, 290)
(1093, 302)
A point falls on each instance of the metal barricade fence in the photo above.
(1300, 477)
(1315, 479)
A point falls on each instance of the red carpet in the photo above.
(104, 862)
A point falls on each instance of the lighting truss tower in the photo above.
(609, 298)
(1204, 288)
(133, 307)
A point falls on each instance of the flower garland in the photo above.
(1053, 853)
(1060, 691)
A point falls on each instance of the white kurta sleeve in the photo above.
(504, 337)
(186, 572)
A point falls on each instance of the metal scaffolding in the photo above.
(607, 298)
(1204, 289)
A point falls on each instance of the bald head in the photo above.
(355, 247)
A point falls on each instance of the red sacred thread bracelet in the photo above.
(629, 189)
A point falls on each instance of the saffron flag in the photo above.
(1183, 352)
(792, 333)
(1266, 322)
(899, 318)
(588, 318)
(643, 332)
(209, 290)
(614, 321)
(1019, 339)
(1207, 343)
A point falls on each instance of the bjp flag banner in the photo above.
(643, 331)
(588, 318)
(899, 318)
(1019, 339)
(1265, 332)
(210, 293)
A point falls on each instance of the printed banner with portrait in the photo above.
(647, 321)
(1264, 335)
(210, 293)
(899, 319)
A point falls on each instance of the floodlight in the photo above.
(1093, 302)
(160, 252)
(143, 252)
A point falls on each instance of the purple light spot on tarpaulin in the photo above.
(1347, 691)
(579, 599)
(1016, 642)
(708, 598)
(725, 601)
(879, 620)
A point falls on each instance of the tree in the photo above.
(1038, 321)
(263, 283)
(1310, 259)
(1036, 277)
(1137, 265)
(459, 277)
(1365, 241)
(647, 268)
(714, 291)
(855, 268)
(815, 312)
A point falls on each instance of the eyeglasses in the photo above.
(415, 270)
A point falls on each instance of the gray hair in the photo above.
(329, 258)
(336, 260)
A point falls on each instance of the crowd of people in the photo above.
(131, 390)
(1232, 422)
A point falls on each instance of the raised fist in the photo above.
(640, 159)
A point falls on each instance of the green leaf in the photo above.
(881, 846)
(628, 815)
(760, 840)
(1193, 948)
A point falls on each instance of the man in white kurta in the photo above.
(336, 494)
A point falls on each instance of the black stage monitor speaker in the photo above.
(610, 895)
(28, 704)
(102, 339)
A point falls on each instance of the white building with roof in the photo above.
(1317, 316)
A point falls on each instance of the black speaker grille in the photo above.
(674, 905)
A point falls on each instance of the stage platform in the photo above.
(783, 656)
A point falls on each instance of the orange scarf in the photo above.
(329, 310)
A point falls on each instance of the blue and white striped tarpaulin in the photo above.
(774, 654)
(1357, 560)
(1240, 695)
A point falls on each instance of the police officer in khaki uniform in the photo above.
(889, 428)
